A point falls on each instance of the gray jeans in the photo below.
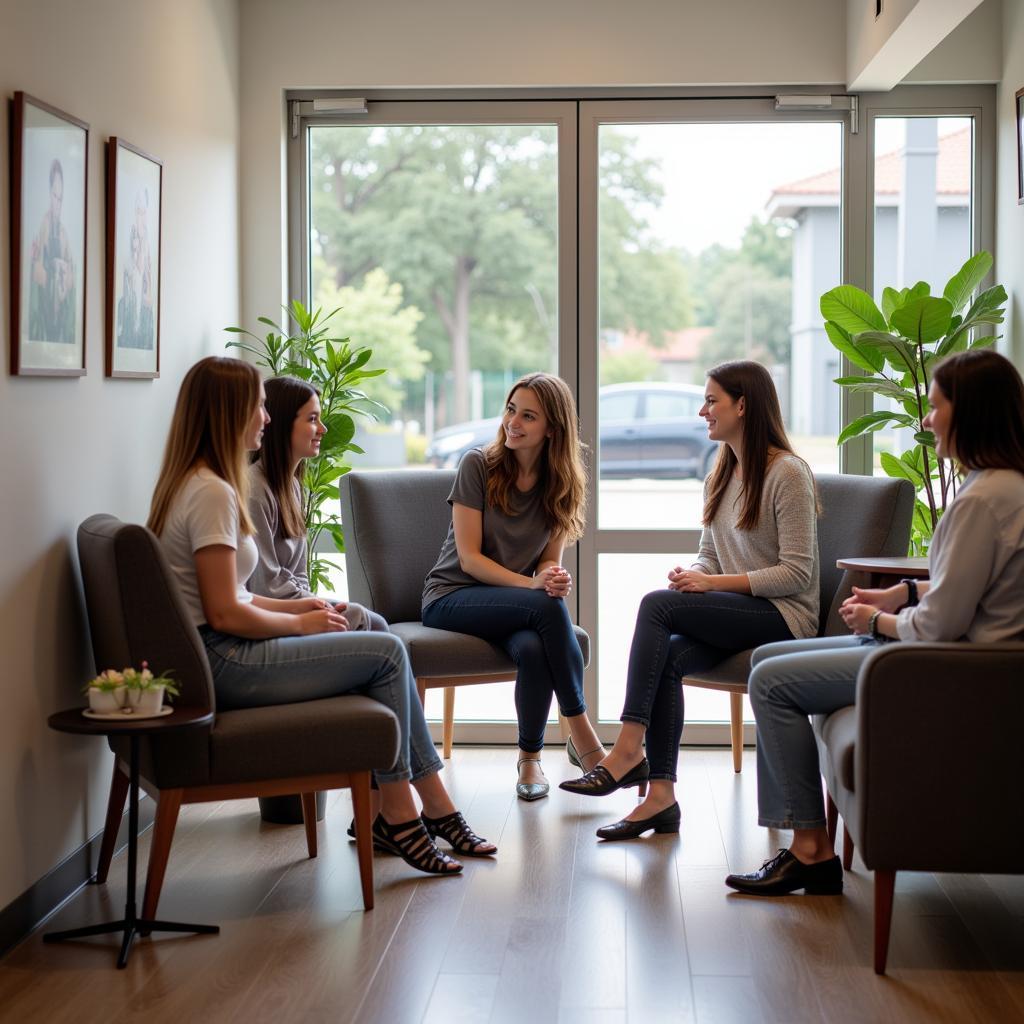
(789, 682)
(257, 673)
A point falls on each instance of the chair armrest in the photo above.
(938, 762)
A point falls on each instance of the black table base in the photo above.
(131, 924)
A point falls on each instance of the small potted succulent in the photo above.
(130, 691)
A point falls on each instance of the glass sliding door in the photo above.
(708, 231)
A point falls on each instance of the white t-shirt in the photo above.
(205, 512)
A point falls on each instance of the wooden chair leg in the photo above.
(167, 807)
(309, 820)
(448, 726)
(736, 730)
(364, 840)
(831, 819)
(885, 884)
(421, 689)
(847, 848)
(115, 811)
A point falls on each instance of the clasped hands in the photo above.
(320, 616)
(689, 581)
(856, 610)
(554, 580)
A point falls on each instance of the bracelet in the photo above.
(873, 625)
(912, 597)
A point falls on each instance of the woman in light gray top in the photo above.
(755, 580)
(975, 593)
(275, 499)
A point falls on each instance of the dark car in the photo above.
(646, 430)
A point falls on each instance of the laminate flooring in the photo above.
(558, 928)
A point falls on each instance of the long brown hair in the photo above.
(762, 431)
(285, 397)
(215, 404)
(560, 470)
(987, 421)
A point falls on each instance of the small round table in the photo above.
(72, 720)
(879, 568)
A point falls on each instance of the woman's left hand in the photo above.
(857, 616)
(558, 582)
(315, 604)
(689, 581)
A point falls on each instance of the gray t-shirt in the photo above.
(281, 570)
(515, 542)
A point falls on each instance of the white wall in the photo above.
(164, 75)
(579, 43)
(1010, 215)
(971, 54)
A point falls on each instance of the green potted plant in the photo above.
(895, 347)
(336, 369)
(129, 692)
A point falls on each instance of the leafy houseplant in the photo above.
(896, 347)
(335, 369)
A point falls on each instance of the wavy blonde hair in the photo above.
(561, 473)
(217, 399)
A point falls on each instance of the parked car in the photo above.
(646, 430)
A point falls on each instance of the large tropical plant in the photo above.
(896, 347)
(336, 369)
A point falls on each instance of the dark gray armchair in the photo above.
(136, 614)
(924, 769)
(861, 516)
(395, 524)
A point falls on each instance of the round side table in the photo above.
(72, 720)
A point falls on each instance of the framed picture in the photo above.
(48, 200)
(134, 183)
(1020, 146)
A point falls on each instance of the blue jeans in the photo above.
(536, 632)
(676, 635)
(790, 682)
(288, 669)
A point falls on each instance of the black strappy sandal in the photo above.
(411, 841)
(452, 828)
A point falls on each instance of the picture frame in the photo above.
(134, 224)
(1019, 107)
(49, 190)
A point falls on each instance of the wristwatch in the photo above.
(873, 626)
(912, 598)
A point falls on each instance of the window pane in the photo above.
(923, 216)
(716, 242)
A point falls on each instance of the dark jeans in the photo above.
(676, 635)
(536, 632)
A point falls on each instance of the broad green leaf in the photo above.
(898, 468)
(923, 320)
(872, 385)
(899, 354)
(891, 299)
(871, 361)
(854, 310)
(869, 422)
(925, 437)
(962, 284)
(919, 291)
(987, 308)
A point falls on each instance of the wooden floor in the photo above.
(560, 928)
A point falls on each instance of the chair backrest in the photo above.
(135, 611)
(862, 517)
(395, 524)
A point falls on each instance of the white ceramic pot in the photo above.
(146, 702)
(105, 702)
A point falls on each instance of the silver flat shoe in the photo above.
(531, 790)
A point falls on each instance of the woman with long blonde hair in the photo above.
(266, 651)
(516, 503)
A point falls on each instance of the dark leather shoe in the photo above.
(664, 821)
(783, 874)
(599, 782)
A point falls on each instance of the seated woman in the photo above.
(515, 505)
(755, 580)
(264, 651)
(276, 497)
(975, 593)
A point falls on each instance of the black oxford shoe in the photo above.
(784, 874)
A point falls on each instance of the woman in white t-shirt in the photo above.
(265, 651)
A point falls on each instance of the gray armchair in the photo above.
(395, 524)
(136, 614)
(924, 768)
(860, 516)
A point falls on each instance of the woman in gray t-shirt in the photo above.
(515, 505)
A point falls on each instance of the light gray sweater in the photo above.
(976, 565)
(780, 555)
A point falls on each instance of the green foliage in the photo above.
(895, 347)
(620, 367)
(337, 371)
